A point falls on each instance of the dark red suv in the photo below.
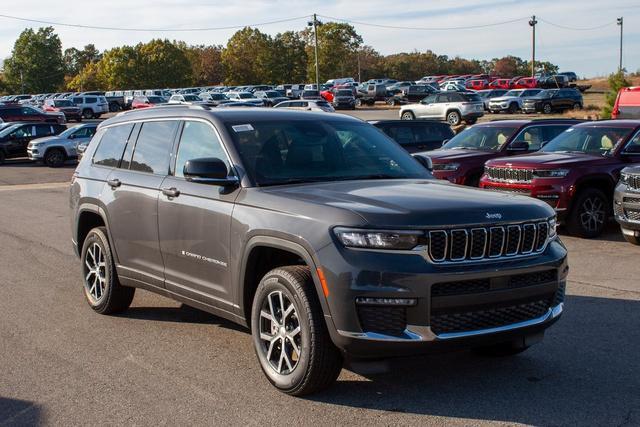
(461, 160)
(25, 113)
(575, 173)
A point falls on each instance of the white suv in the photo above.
(452, 107)
(91, 106)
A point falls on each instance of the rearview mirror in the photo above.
(424, 161)
(208, 170)
(518, 146)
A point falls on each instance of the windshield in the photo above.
(588, 140)
(288, 151)
(272, 94)
(190, 98)
(245, 95)
(156, 100)
(344, 93)
(62, 103)
(484, 138)
(515, 93)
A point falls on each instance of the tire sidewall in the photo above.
(50, 153)
(576, 222)
(98, 236)
(275, 281)
(451, 115)
(407, 115)
(546, 108)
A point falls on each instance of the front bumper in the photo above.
(34, 154)
(626, 209)
(430, 323)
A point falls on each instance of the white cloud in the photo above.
(586, 52)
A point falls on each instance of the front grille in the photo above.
(489, 318)
(631, 200)
(531, 279)
(383, 320)
(634, 182)
(460, 288)
(462, 244)
(617, 209)
(509, 174)
(632, 214)
(477, 286)
(509, 190)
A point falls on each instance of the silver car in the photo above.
(55, 150)
(452, 107)
(307, 105)
(511, 102)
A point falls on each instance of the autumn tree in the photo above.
(206, 64)
(246, 57)
(75, 59)
(338, 44)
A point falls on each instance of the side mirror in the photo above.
(518, 146)
(543, 143)
(209, 170)
(424, 161)
(444, 141)
(72, 136)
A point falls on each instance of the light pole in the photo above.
(533, 23)
(315, 24)
(620, 22)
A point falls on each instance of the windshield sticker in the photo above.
(242, 128)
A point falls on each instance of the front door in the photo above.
(18, 141)
(195, 223)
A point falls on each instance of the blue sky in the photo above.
(589, 53)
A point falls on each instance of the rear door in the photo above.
(18, 140)
(195, 223)
(132, 200)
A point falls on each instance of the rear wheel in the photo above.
(547, 109)
(54, 158)
(87, 113)
(289, 333)
(407, 115)
(453, 118)
(102, 288)
(588, 216)
(577, 106)
(513, 108)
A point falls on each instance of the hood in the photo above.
(549, 160)
(409, 203)
(632, 169)
(45, 139)
(505, 98)
(445, 156)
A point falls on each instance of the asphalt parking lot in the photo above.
(163, 363)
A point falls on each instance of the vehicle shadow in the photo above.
(19, 412)
(182, 314)
(585, 372)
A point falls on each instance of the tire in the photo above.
(103, 291)
(114, 107)
(54, 158)
(500, 350)
(547, 109)
(358, 102)
(513, 108)
(577, 106)
(632, 239)
(589, 214)
(453, 118)
(79, 119)
(408, 115)
(471, 121)
(317, 363)
(87, 113)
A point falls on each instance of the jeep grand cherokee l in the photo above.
(626, 203)
(317, 231)
(461, 160)
(552, 100)
(575, 173)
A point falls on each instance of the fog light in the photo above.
(405, 302)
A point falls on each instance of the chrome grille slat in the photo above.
(487, 243)
(509, 174)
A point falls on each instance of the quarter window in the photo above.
(153, 147)
(198, 141)
(112, 145)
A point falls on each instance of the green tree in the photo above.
(288, 58)
(163, 63)
(36, 63)
(616, 82)
(75, 60)
(338, 44)
(206, 64)
(247, 57)
(120, 68)
(89, 78)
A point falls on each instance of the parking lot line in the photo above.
(45, 186)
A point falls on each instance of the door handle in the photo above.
(171, 192)
(114, 183)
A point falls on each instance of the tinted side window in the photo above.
(77, 100)
(198, 141)
(550, 132)
(112, 145)
(91, 100)
(401, 134)
(153, 148)
(43, 130)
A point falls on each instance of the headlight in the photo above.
(553, 225)
(379, 239)
(446, 166)
(550, 173)
(625, 178)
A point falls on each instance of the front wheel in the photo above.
(289, 333)
(577, 106)
(407, 115)
(547, 109)
(589, 213)
(102, 289)
(54, 158)
(453, 118)
(87, 114)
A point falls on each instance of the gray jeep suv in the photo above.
(317, 232)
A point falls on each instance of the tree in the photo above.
(288, 58)
(509, 66)
(206, 64)
(162, 64)
(247, 57)
(75, 60)
(337, 50)
(35, 64)
(370, 63)
(119, 68)
(89, 78)
(616, 82)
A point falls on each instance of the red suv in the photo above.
(476, 84)
(500, 84)
(461, 160)
(627, 104)
(23, 113)
(526, 83)
(575, 173)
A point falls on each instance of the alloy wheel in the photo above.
(592, 214)
(95, 266)
(55, 158)
(280, 333)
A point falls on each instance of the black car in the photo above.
(15, 138)
(573, 77)
(626, 202)
(270, 97)
(315, 231)
(344, 98)
(551, 100)
(416, 135)
(413, 93)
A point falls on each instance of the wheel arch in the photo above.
(88, 217)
